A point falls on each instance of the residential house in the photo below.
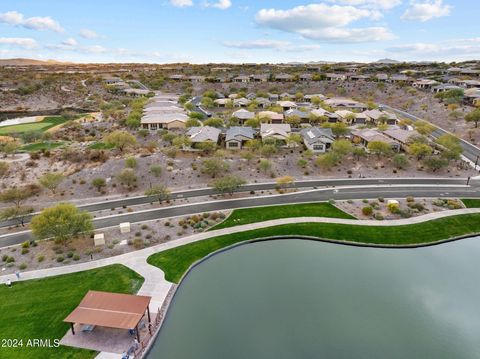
(381, 77)
(135, 92)
(445, 87)
(204, 134)
(165, 120)
(308, 98)
(305, 77)
(401, 136)
(331, 116)
(366, 136)
(222, 102)
(304, 116)
(317, 139)
(284, 78)
(352, 118)
(241, 102)
(242, 79)
(237, 136)
(278, 131)
(263, 102)
(287, 96)
(196, 79)
(341, 103)
(176, 77)
(273, 97)
(286, 105)
(243, 115)
(399, 78)
(376, 116)
(259, 78)
(425, 84)
(336, 77)
(270, 117)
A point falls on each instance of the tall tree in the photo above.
(61, 223)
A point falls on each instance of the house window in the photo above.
(153, 126)
(318, 147)
(233, 144)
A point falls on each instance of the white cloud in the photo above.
(22, 42)
(445, 49)
(35, 23)
(374, 4)
(88, 34)
(278, 45)
(325, 22)
(70, 42)
(181, 3)
(220, 4)
(424, 11)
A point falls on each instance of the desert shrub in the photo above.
(367, 211)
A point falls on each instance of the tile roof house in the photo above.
(294, 112)
(272, 117)
(241, 102)
(167, 120)
(331, 116)
(378, 116)
(203, 134)
(345, 103)
(278, 131)
(367, 136)
(237, 136)
(308, 98)
(317, 139)
(401, 136)
(287, 105)
(243, 115)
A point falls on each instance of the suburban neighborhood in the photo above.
(238, 179)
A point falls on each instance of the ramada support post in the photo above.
(73, 329)
(149, 320)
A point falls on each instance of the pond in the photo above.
(304, 299)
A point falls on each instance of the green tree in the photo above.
(435, 163)
(156, 170)
(473, 116)
(327, 161)
(227, 184)
(99, 183)
(424, 128)
(131, 162)
(51, 180)
(420, 150)
(159, 192)
(380, 148)
(342, 147)
(451, 145)
(214, 122)
(268, 150)
(400, 161)
(4, 167)
(265, 165)
(120, 139)
(214, 166)
(61, 223)
(10, 148)
(127, 177)
(16, 197)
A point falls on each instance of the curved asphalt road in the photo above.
(374, 191)
(135, 201)
(470, 151)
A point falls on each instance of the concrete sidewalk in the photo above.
(155, 284)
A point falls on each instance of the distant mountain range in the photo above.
(27, 62)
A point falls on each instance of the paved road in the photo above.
(134, 201)
(374, 191)
(196, 101)
(470, 151)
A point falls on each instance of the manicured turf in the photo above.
(471, 202)
(41, 146)
(44, 125)
(176, 261)
(261, 214)
(36, 308)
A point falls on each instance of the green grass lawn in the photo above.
(47, 123)
(471, 202)
(33, 147)
(176, 261)
(261, 214)
(36, 308)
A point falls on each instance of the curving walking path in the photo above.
(155, 284)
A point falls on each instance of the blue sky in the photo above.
(201, 31)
